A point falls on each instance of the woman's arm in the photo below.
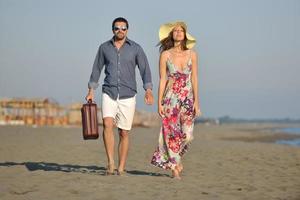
(162, 80)
(195, 82)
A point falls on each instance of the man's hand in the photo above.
(149, 97)
(90, 95)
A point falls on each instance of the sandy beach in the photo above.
(224, 162)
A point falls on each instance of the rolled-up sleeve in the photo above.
(97, 68)
(144, 68)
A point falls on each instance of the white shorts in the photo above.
(122, 110)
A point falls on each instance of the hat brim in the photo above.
(165, 30)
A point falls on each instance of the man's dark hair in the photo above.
(120, 19)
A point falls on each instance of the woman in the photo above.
(178, 102)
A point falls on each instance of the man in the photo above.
(120, 56)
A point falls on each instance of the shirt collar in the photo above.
(126, 40)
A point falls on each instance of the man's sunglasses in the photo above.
(117, 28)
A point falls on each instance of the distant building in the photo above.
(37, 111)
(74, 114)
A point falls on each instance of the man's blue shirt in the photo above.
(120, 78)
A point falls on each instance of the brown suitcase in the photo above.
(89, 120)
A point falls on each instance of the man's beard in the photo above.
(119, 36)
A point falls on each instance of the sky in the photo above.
(249, 50)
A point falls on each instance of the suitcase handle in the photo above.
(89, 101)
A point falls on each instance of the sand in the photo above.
(224, 162)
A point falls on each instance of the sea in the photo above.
(294, 130)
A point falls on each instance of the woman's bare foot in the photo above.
(179, 167)
(175, 174)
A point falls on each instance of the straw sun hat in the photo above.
(165, 29)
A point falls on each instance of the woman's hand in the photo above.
(160, 110)
(196, 109)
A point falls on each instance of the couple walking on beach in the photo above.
(178, 102)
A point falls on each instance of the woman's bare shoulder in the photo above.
(194, 54)
(164, 54)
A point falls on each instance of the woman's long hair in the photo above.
(168, 42)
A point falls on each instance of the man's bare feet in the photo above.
(122, 173)
(110, 170)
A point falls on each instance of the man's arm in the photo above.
(145, 73)
(95, 75)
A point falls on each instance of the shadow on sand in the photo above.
(33, 166)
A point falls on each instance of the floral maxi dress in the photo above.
(176, 132)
